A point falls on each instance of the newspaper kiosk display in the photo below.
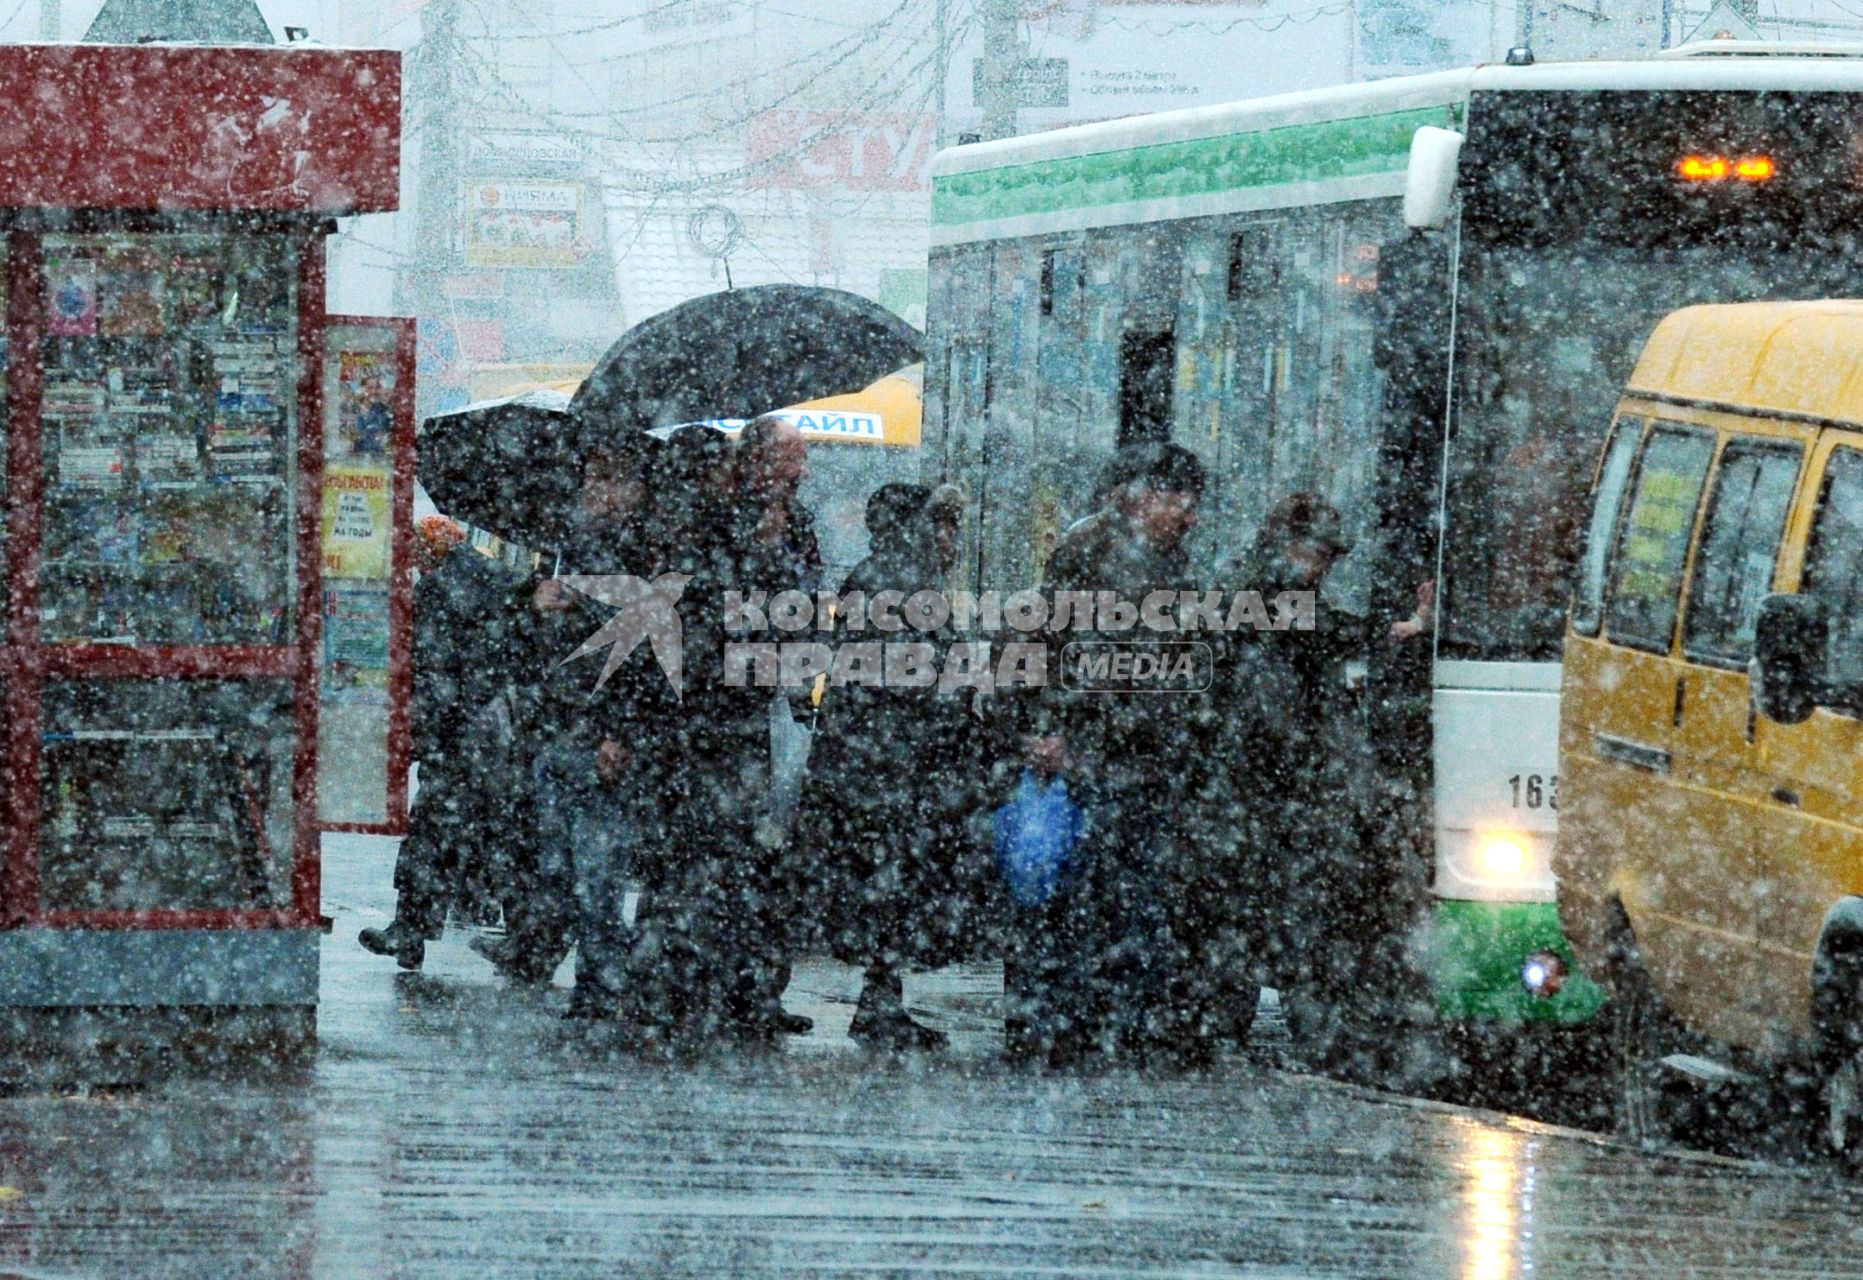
(363, 749)
(163, 283)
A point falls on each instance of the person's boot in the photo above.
(505, 958)
(755, 1005)
(400, 940)
(791, 1024)
(766, 1017)
(881, 1020)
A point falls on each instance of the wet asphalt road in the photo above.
(449, 1128)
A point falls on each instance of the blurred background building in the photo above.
(573, 166)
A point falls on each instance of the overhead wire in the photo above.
(900, 28)
(840, 51)
(753, 241)
(518, 101)
(1264, 22)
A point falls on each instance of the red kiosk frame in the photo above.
(163, 270)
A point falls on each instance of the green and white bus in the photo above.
(1417, 297)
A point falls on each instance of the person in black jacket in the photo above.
(465, 623)
(1137, 761)
(574, 723)
(710, 956)
(881, 838)
(1314, 898)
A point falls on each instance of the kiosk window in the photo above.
(1607, 504)
(1834, 565)
(165, 795)
(1653, 544)
(1739, 549)
(169, 420)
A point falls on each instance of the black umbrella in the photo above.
(514, 466)
(741, 353)
(506, 466)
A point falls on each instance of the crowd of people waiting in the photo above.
(546, 797)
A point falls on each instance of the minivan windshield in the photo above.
(1546, 339)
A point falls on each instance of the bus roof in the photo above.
(1799, 358)
(1347, 142)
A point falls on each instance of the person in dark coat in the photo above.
(572, 778)
(881, 837)
(1309, 889)
(1137, 762)
(465, 621)
(709, 956)
(777, 550)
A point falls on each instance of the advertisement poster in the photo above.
(535, 225)
(365, 405)
(356, 528)
(71, 293)
(355, 643)
(368, 379)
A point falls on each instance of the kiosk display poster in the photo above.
(169, 421)
(368, 499)
(168, 426)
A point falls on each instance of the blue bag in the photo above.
(1037, 834)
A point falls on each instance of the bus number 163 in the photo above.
(1535, 790)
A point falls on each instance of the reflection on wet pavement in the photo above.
(451, 1128)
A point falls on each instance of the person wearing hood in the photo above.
(881, 837)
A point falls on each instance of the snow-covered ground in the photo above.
(449, 1128)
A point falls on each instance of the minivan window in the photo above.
(1588, 600)
(1834, 563)
(1739, 549)
(1652, 547)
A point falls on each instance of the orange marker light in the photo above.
(1755, 168)
(1703, 168)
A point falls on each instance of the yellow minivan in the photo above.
(1710, 848)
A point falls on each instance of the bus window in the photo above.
(1147, 377)
(1653, 544)
(1252, 365)
(841, 479)
(1834, 564)
(1739, 550)
(1252, 266)
(1588, 600)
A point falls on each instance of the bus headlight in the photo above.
(1502, 856)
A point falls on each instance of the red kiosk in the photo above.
(165, 376)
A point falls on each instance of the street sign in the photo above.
(1040, 82)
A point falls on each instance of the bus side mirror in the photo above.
(1790, 644)
(1429, 179)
